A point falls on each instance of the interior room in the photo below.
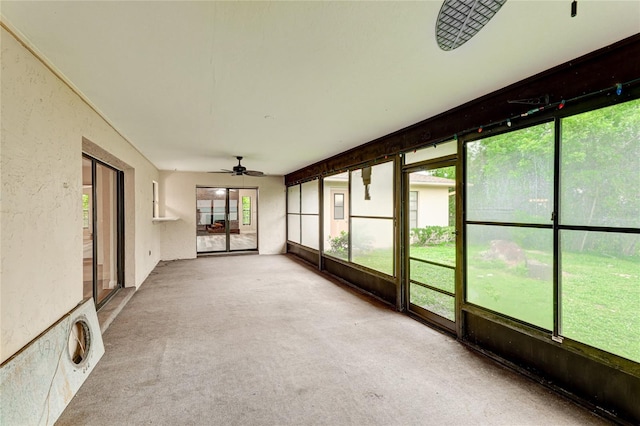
(455, 178)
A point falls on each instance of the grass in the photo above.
(601, 302)
(508, 290)
(379, 260)
(600, 296)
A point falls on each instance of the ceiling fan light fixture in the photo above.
(241, 170)
(460, 20)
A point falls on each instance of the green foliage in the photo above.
(600, 296)
(432, 235)
(510, 178)
(600, 163)
(339, 246)
(512, 174)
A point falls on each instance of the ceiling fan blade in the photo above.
(224, 171)
(253, 173)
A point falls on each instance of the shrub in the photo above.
(432, 235)
(339, 246)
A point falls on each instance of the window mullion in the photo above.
(557, 302)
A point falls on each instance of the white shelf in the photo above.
(165, 219)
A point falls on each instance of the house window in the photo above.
(85, 210)
(246, 210)
(156, 202)
(413, 209)
(338, 206)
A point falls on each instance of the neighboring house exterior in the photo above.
(429, 198)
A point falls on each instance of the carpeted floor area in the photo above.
(263, 340)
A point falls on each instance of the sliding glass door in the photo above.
(226, 219)
(102, 230)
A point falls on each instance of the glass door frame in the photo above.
(227, 212)
(416, 310)
(119, 200)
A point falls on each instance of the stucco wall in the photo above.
(178, 199)
(433, 206)
(41, 142)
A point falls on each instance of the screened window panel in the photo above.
(441, 304)
(372, 243)
(510, 176)
(293, 199)
(429, 153)
(336, 227)
(293, 228)
(432, 275)
(510, 271)
(601, 290)
(600, 167)
(310, 231)
(310, 197)
(380, 202)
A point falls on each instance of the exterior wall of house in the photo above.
(178, 199)
(45, 129)
(333, 227)
(433, 205)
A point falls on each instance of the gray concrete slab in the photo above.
(262, 340)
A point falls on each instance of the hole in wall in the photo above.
(79, 341)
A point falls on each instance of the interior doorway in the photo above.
(226, 219)
(431, 253)
(102, 229)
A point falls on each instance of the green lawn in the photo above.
(509, 290)
(600, 296)
(434, 276)
(601, 302)
(380, 260)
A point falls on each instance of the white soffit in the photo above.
(286, 84)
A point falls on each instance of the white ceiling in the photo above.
(286, 84)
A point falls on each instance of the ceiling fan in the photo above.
(240, 170)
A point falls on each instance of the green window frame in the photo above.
(246, 210)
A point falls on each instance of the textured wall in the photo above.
(178, 199)
(41, 142)
(38, 398)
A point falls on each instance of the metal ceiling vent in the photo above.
(459, 20)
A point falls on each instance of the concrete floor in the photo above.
(263, 340)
